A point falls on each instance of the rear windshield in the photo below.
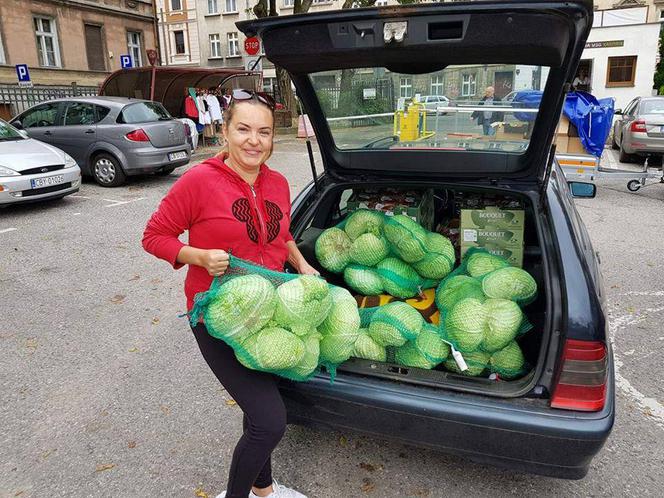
(474, 107)
(143, 112)
(652, 107)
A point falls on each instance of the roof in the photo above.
(171, 83)
(100, 100)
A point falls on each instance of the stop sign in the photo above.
(252, 45)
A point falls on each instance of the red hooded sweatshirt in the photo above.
(222, 211)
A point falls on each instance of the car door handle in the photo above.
(89, 131)
(48, 133)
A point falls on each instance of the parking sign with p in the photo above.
(125, 61)
(23, 75)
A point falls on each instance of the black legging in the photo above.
(264, 420)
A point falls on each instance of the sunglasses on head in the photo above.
(262, 97)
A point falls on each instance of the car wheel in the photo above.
(106, 171)
(614, 144)
(165, 172)
(633, 185)
(624, 157)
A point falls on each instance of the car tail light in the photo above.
(582, 382)
(137, 136)
(638, 125)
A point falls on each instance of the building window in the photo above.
(47, 42)
(621, 71)
(94, 47)
(176, 4)
(215, 46)
(213, 7)
(322, 1)
(231, 6)
(233, 47)
(269, 84)
(437, 85)
(134, 47)
(179, 42)
(289, 3)
(2, 52)
(406, 87)
(468, 85)
(381, 3)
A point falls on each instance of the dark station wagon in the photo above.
(556, 418)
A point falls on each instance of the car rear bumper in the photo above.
(18, 189)
(151, 159)
(642, 144)
(523, 435)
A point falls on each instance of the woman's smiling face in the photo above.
(249, 135)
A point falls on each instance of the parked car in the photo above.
(33, 171)
(433, 102)
(110, 137)
(553, 420)
(639, 129)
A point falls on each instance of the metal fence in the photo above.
(15, 99)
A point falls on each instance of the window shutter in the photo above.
(94, 48)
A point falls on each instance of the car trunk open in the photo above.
(437, 40)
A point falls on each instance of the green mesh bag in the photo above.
(431, 345)
(479, 263)
(400, 279)
(409, 355)
(407, 238)
(363, 279)
(395, 323)
(456, 287)
(438, 262)
(366, 348)
(509, 363)
(465, 325)
(273, 321)
(364, 221)
(476, 361)
(504, 322)
(510, 283)
(333, 249)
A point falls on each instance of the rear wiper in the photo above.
(390, 138)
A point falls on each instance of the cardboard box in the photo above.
(514, 255)
(494, 217)
(562, 143)
(497, 236)
(563, 126)
(418, 204)
(575, 146)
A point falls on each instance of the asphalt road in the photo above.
(104, 392)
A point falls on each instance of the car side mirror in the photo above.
(618, 112)
(17, 124)
(583, 190)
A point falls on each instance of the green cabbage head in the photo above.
(272, 349)
(477, 362)
(302, 303)
(333, 249)
(406, 237)
(395, 323)
(508, 362)
(364, 221)
(369, 249)
(503, 323)
(410, 356)
(466, 324)
(454, 289)
(365, 347)
(363, 279)
(510, 283)
(480, 263)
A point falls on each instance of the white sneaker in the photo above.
(221, 495)
(279, 491)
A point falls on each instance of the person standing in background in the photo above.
(485, 118)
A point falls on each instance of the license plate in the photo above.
(174, 156)
(47, 181)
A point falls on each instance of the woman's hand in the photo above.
(305, 268)
(215, 261)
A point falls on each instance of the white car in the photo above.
(31, 170)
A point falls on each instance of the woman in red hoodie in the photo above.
(233, 203)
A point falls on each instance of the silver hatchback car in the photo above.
(110, 137)
(639, 129)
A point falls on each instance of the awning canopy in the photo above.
(172, 83)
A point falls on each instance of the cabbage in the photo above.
(302, 303)
(477, 362)
(272, 349)
(466, 324)
(241, 307)
(410, 356)
(440, 245)
(480, 263)
(368, 249)
(503, 323)
(333, 249)
(366, 348)
(364, 221)
(430, 344)
(508, 362)
(434, 266)
(399, 279)
(510, 283)
(341, 327)
(363, 279)
(456, 288)
(395, 323)
(309, 362)
(406, 237)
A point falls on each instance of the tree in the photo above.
(658, 80)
